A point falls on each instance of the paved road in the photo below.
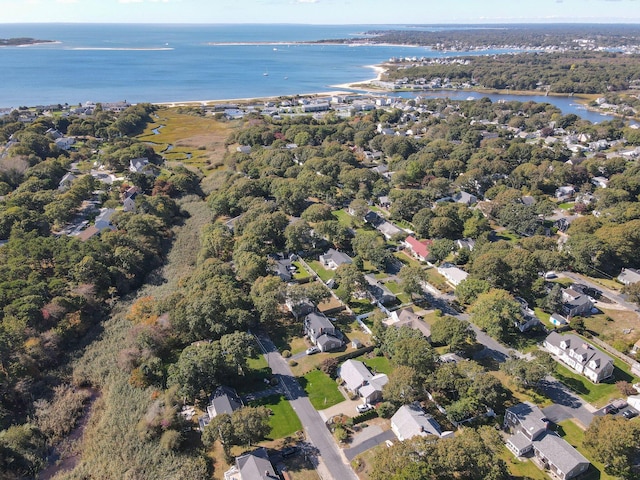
(332, 465)
(608, 292)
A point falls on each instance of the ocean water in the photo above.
(163, 63)
(167, 63)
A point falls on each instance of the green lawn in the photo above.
(575, 436)
(284, 420)
(325, 275)
(407, 260)
(521, 469)
(255, 374)
(322, 390)
(566, 205)
(437, 280)
(301, 272)
(361, 306)
(544, 317)
(343, 217)
(380, 364)
(598, 394)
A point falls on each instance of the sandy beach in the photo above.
(201, 103)
(378, 70)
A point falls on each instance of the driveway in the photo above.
(567, 404)
(369, 437)
(331, 463)
(616, 297)
(348, 408)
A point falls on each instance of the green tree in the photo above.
(350, 279)
(455, 333)
(267, 294)
(468, 290)
(440, 249)
(403, 386)
(615, 442)
(411, 279)
(495, 312)
(199, 369)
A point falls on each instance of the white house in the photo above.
(453, 274)
(333, 259)
(411, 421)
(629, 276)
(359, 380)
(581, 356)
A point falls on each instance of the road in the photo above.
(331, 464)
(568, 405)
(616, 297)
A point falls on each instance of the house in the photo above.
(600, 182)
(575, 303)
(333, 259)
(66, 181)
(64, 143)
(379, 291)
(530, 437)
(565, 193)
(465, 198)
(410, 421)
(468, 243)
(406, 317)
(384, 202)
(419, 249)
(453, 274)
(629, 276)
(321, 332)
(283, 266)
(634, 401)
(129, 199)
(581, 356)
(372, 218)
(103, 220)
(389, 230)
(246, 149)
(558, 319)
(358, 379)
(142, 165)
(224, 400)
(300, 309)
(252, 466)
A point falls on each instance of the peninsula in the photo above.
(22, 42)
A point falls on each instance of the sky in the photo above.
(320, 11)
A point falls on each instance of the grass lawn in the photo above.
(521, 395)
(322, 390)
(286, 332)
(575, 436)
(380, 364)
(301, 272)
(284, 420)
(325, 275)
(521, 469)
(566, 205)
(544, 317)
(407, 260)
(343, 217)
(597, 394)
(361, 306)
(437, 280)
(255, 374)
(619, 328)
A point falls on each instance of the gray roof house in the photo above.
(453, 274)
(224, 400)
(66, 181)
(333, 259)
(406, 317)
(379, 291)
(410, 421)
(103, 220)
(464, 197)
(575, 303)
(321, 332)
(581, 356)
(629, 276)
(359, 380)
(252, 466)
(530, 437)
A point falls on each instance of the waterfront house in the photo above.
(360, 381)
(531, 437)
(412, 421)
(580, 355)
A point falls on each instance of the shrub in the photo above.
(363, 417)
(341, 434)
(286, 353)
(386, 409)
(330, 367)
(293, 363)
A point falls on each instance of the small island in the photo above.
(21, 42)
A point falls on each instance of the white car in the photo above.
(312, 350)
(365, 407)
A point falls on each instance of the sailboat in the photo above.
(266, 73)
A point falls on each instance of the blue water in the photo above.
(165, 63)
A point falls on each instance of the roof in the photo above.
(318, 321)
(452, 273)
(338, 258)
(388, 229)
(224, 400)
(559, 452)
(354, 373)
(411, 420)
(256, 466)
(629, 276)
(88, 233)
(530, 418)
(580, 350)
(326, 340)
(519, 441)
(421, 248)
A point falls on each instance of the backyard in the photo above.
(284, 421)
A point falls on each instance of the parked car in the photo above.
(629, 414)
(364, 407)
(610, 409)
(312, 350)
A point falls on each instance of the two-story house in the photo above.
(581, 356)
(321, 332)
(531, 437)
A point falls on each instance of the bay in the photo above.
(178, 63)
